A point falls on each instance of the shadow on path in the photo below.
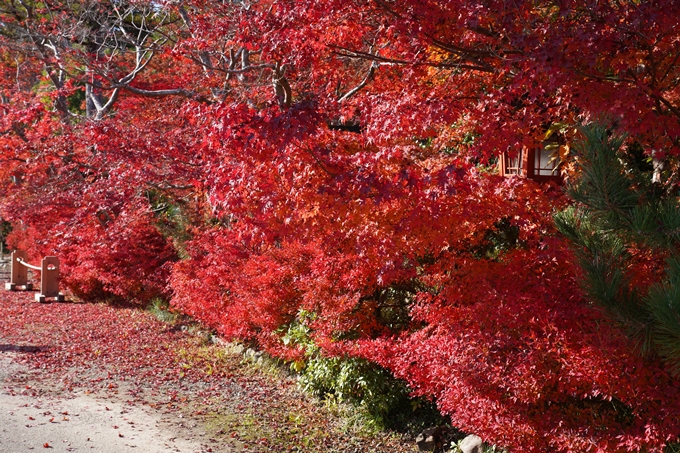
(17, 348)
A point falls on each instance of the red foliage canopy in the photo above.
(208, 151)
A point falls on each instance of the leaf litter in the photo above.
(202, 389)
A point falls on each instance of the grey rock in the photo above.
(471, 444)
(432, 439)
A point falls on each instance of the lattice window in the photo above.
(547, 159)
(513, 165)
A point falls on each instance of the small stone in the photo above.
(431, 439)
(471, 444)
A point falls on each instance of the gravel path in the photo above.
(33, 419)
(37, 417)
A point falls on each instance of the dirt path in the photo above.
(38, 419)
(92, 377)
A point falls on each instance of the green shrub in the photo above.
(160, 308)
(383, 401)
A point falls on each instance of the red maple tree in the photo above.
(252, 160)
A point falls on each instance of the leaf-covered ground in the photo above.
(126, 355)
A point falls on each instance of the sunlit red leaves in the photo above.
(536, 362)
(282, 212)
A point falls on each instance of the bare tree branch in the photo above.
(358, 54)
(362, 84)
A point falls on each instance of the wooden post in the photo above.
(49, 280)
(18, 272)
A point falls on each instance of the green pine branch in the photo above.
(613, 211)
